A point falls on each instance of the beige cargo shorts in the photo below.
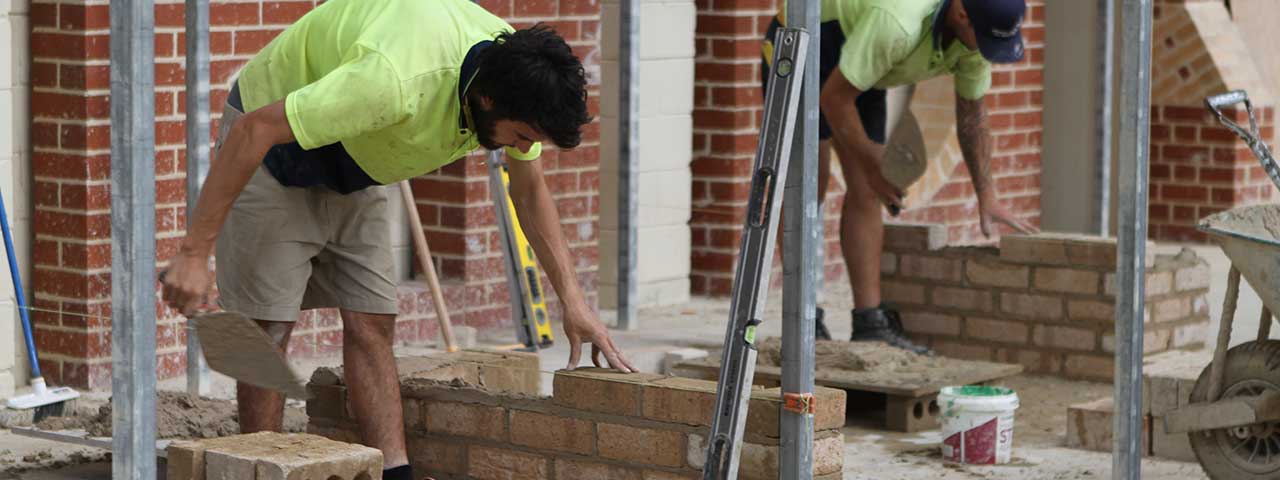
(286, 249)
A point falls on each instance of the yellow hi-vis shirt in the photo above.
(380, 76)
(890, 43)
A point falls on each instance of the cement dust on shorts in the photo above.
(178, 415)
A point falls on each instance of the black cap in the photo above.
(998, 26)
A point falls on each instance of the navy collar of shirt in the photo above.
(465, 75)
(939, 24)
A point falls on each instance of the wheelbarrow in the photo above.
(1233, 415)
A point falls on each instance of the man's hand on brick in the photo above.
(582, 327)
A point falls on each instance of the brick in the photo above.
(994, 273)
(932, 268)
(1171, 309)
(436, 457)
(568, 468)
(1091, 310)
(996, 330)
(1158, 283)
(485, 463)
(1089, 367)
(1090, 424)
(467, 420)
(1031, 306)
(962, 298)
(641, 445)
(931, 323)
(1173, 446)
(902, 292)
(184, 460)
(1067, 338)
(1066, 280)
(550, 432)
(914, 237)
(1192, 278)
(600, 390)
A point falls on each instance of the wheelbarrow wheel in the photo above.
(1250, 452)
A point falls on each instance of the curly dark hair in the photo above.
(532, 76)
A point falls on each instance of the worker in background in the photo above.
(355, 95)
(873, 45)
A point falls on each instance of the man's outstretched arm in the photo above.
(541, 223)
(187, 280)
(974, 134)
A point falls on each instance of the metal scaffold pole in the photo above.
(800, 255)
(1102, 127)
(133, 241)
(198, 377)
(628, 156)
(1135, 112)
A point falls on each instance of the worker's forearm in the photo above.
(230, 171)
(541, 224)
(974, 136)
(850, 136)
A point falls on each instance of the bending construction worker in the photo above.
(878, 44)
(355, 95)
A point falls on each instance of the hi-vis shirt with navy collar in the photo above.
(381, 77)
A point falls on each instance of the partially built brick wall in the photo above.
(599, 424)
(1044, 301)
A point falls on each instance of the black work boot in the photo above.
(820, 331)
(883, 325)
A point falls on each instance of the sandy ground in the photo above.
(870, 453)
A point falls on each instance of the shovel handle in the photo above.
(1226, 99)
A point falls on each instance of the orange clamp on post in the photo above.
(799, 402)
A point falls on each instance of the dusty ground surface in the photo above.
(870, 453)
(178, 415)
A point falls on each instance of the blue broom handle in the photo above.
(18, 291)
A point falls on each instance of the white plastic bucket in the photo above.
(977, 424)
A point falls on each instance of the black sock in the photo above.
(403, 472)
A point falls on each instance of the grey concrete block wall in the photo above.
(666, 147)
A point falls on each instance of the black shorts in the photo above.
(871, 104)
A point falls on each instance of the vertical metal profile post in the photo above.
(628, 157)
(198, 135)
(1135, 112)
(800, 256)
(133, 235)
(1102, 127)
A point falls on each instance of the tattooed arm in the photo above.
(975, 144)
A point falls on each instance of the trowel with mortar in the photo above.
(237, 347)
(904, 160)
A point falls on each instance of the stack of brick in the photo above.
(1167, 382)
(599, 424)
(1045, 301)
(271, 456)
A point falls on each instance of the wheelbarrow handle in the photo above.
(1221, 100)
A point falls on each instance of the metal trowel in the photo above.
(237, 347)
(904, 160)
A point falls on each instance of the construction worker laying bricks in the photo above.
(879, 44)
(355, 95)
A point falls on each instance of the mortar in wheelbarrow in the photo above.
(1250, 236)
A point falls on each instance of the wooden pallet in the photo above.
(909, 406)
(80, 437)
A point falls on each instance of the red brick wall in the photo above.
(1199, 167)
(70, 138)
(727, 110)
